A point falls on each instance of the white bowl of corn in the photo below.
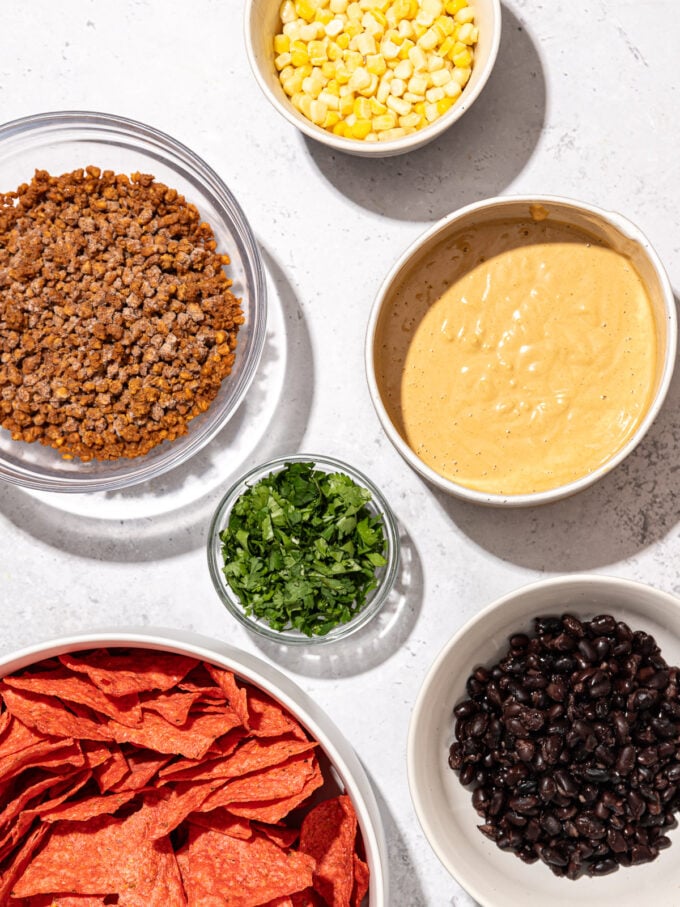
(372, 77)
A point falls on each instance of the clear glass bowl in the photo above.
(64, 141)
(376, 597)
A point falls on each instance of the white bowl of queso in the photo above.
(521, 348)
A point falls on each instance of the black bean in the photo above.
(465, 709)
(587, 649)
(573, 625)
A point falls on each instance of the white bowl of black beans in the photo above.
(544, 747)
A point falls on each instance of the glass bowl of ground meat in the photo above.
(132, 302)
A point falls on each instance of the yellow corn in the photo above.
(374, 70)
(305, 9)
(361, 128)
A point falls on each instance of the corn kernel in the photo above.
(375, 63)
(391, 134)
(346, 105)
(292, 30)
(463, 59)
(324, 16)
(365, 44)
(317, 52)
(389, 49)
(334, 28)
(399, 105)
(338, 6)
(282, 61)
(445, 25)
(328, 69)
(434, 7)
(362, 109)
(466, 33)
(461, 76)
(418, 58)
(383, 91)
(371, 88)
(429, 40)
(440, 78)
(343, 41)
(376, 107)
(332, 117)
(361, 128)
(354, 11)
(405, 49)
(434, 62)
(410, 121)
(452, 6)
(425, 18)
(405, 28)
(386, 121)
(466, 14)
(434, 94)
(281, 44)
(287, 11)
(403, 70)
(431, 112)
(452, 89)
(305, 9)
(340, 129)
(332, 101)
(418, 84)
(444, 104)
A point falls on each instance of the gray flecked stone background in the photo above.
(583, 103)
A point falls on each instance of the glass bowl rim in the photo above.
(328, 464)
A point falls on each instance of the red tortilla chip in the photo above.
(144, 873)
(70, 687)
(112, 770)
(60, 900)
(218, 869)
(253, 755)
(328, 834)
(48, 715)
(236, 695)
(112, 672)
(269, 719)
(280, 834)
(272, 811)
(173, 706)
(361, 880)
(188, 769)
(223, 822)
(193, 739)
(143, 766)
(273, 783)
(168, 807)
(51, 755)
(21, 860)
(86, 809)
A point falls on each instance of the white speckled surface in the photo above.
(581, 104)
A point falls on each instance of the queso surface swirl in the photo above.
(517, 355)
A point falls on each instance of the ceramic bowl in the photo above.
(346, 772)
(392, 330)
(262, 22)
(492, 877)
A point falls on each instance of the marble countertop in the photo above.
(580, 104)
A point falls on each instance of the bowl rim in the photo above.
(413, 745)
(136, 470)
(288, 637)
(273, 681)
(613, 218)
(376, 149)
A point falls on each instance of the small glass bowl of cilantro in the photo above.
(303, 549)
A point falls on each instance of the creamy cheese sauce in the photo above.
(518, 355)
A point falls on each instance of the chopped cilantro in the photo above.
(301, 549)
